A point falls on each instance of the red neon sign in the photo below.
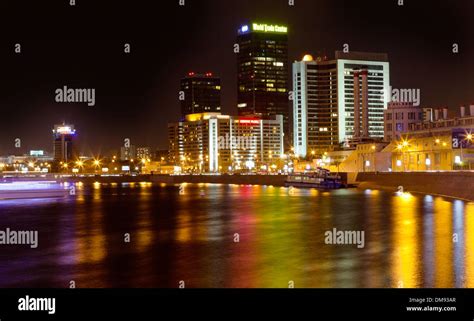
(249, 121)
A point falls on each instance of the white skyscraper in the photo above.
(371, 73)
(325, 93)
(304, 102)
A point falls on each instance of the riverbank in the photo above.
(449, 184)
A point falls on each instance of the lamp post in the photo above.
(375, 157)
(401, 147)
(467, 138)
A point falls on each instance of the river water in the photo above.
(208, 235)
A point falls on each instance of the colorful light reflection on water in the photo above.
(410, 240)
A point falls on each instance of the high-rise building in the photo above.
(363, 93)
(63, 135)
(212, 142)
(339, 101)
(315, 105)
(202, 94)
(262, 66)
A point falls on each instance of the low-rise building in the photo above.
(397, 118)
(441, 144)
(366, 157)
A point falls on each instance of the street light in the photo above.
(374, 157)
(467, 137)
(401, 147)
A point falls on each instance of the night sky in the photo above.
(82, 46)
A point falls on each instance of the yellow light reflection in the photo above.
(443, 243)
(469, 242)
(406, 242)
(183, 229)
(144, 223)
(91, 243)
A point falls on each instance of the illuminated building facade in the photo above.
(363, 94)
(315, 106)
(128, 153)
(211, 142)
(397, 118)
(63, 136)
(441, 144)
(144, 153)
(262, 66)
(339, 101)
(202, 93)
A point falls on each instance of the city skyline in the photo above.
(325, 145)
(139, 109)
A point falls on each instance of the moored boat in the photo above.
(321, 178)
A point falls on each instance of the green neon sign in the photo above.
(269, 28)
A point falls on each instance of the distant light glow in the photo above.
(405, 195)
(65, 130)
(250, 164)
(36, 152)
